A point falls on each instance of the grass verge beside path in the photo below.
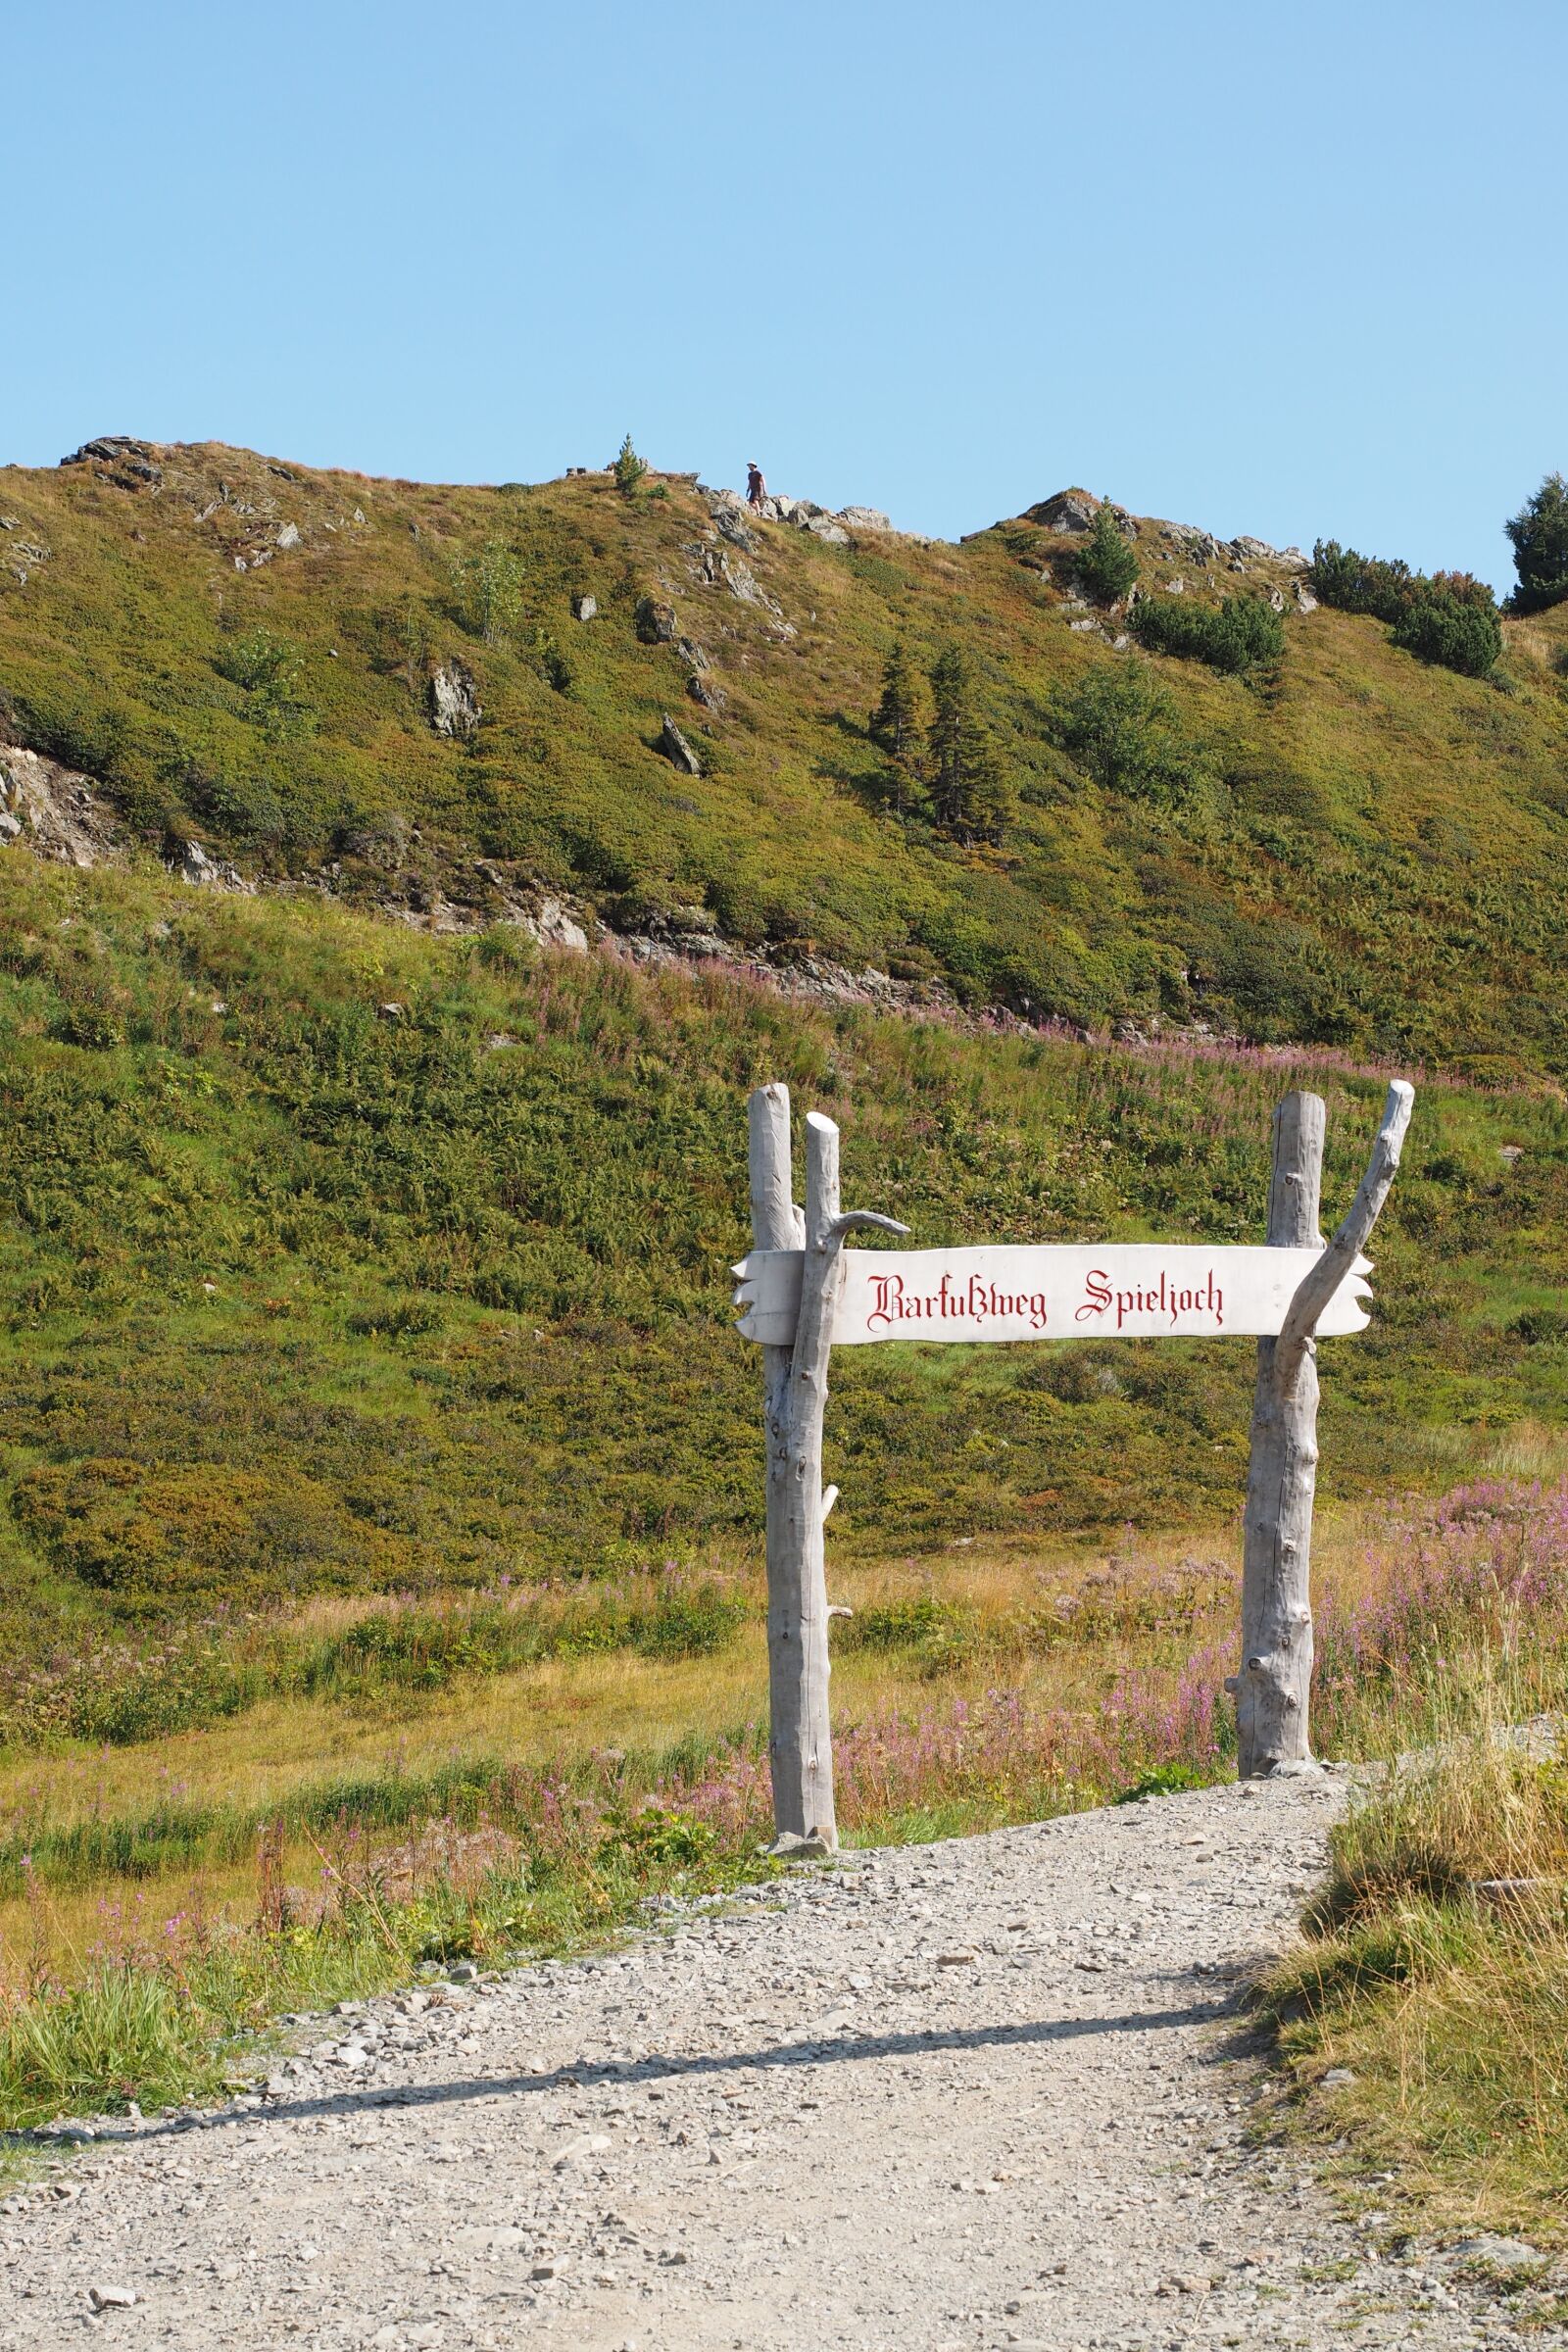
(112, 1991)
(1425, 2021)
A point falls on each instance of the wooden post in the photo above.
(1273, 1686)
(1271, 1689)
(778, 1224)
(794, 1381)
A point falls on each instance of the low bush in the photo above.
(1454, 632)
(1244, 633)
(1449, 618)
(1120, 726)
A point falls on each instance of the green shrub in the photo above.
(1243, 633)
(1166, 1779)
(659, 1835)
(1358, 583)
(1120, 726)
(1454, 632)
(896, 1625)
(487, 591)
(1449, 618)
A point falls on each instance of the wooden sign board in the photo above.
(1129, 1291)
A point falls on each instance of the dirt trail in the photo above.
(971, 2095)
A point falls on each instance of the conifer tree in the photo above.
(1540, 535)
(628, 469)
(898, 732)
(1108, 565)
(969, 795)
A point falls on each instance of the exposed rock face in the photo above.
(741, 581)
(1201, 546)
(676, 749)
(1067, 510)
(553, 926)
(1305, 601)
(21, 555)
(128, 464)
(455, 706)
(732, 519)
(865, 519)
(205, 872)
(51, 810)
(657, 621)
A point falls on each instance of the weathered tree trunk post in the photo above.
(795, 1378)
(778, 1224)
(1273, 1686)
(1271, 1689)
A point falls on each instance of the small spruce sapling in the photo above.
(628, 469)
(1108, 565)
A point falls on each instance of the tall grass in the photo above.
(347, 1881)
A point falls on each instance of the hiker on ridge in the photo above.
(756, 487)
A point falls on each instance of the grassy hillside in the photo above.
(300, 1298)
(1369, 852)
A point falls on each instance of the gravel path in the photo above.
(977, 2094)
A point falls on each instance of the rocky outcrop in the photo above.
(53, 811)
(202, 872)
(1068, 510)
(658, 623)
(21, 553)
(676, 749)
(454, 706)
(553, 925)
(128, 463)
(733, 517)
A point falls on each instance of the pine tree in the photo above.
(628, 469)
(1108, 565)
(970, 798)
(896, 731)
(1540, 535)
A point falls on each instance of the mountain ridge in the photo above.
(241, 654)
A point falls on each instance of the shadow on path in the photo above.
(658, 2067)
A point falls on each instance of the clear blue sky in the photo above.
(1282, 270)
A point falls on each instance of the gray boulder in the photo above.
(732, 519)
(676, 749)
(865, 519)
(553, 925)
(585, 607)
(1069, 511)
(454, 706)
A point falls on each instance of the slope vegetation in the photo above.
(1366, 850)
